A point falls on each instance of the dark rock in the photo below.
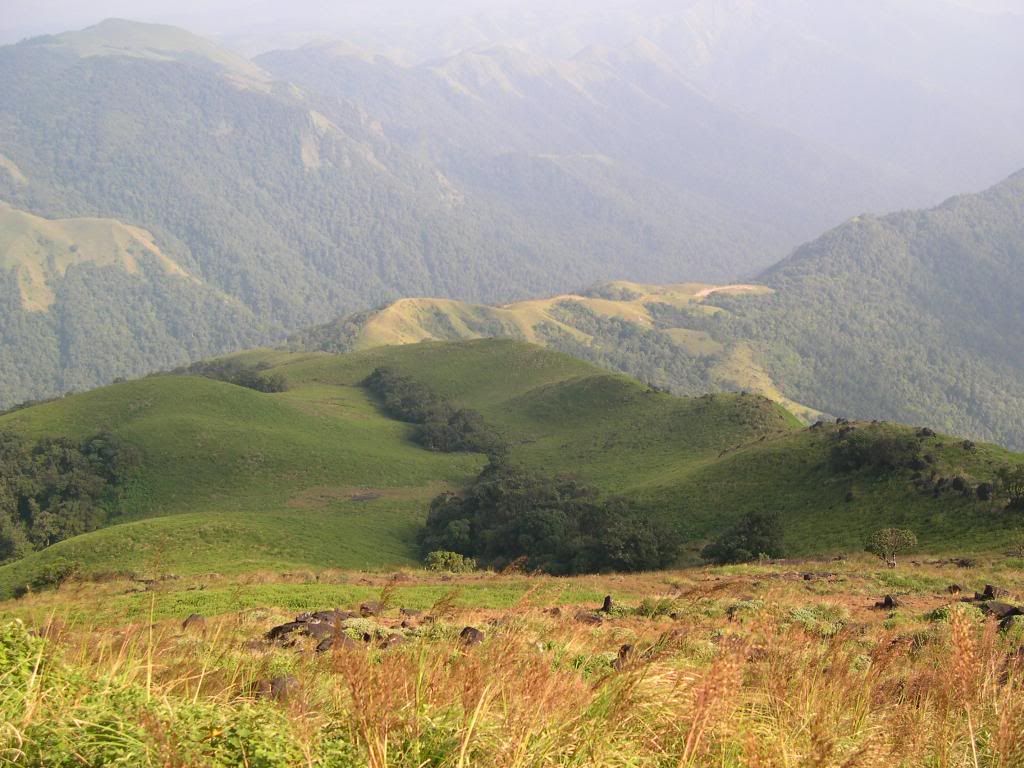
(471, 636)
(556, 611)
(608, 605)
(280, 688)
(808, 577)
(887, 603)
(588, 617)
(391, 641)
(626, 653)
(984, 491)
(282, 632)
(336, 642)
(1001, 610)
(994, 593)
(368, 609)
(195, 621)
(320, 630)
(925, 432)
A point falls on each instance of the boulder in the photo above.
(282, 633)
(368, 609)
(336, 642)
(625, 655)
(280, 688)
(471, 636)
(1001, 610)
(994, 593)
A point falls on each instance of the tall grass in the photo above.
(713, 686)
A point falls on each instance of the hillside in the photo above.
(912, 317)
(632, 328)
(234, 480)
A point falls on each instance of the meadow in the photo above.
(777, 664)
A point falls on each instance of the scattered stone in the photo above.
(1001, 610)
(471, 636)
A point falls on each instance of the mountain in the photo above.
(576, 140)
(913, 317)
(88, 299)
(230, 479)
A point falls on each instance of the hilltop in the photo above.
(317, 476)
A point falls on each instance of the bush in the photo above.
(449, 562)
(552, 525)
(754, 535)
(860, 448)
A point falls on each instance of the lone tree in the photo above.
(889, 542)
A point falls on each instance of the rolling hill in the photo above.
(913, 317)
(234, 480)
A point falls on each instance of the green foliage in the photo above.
(1011, 482)
(858, 448)
(754, 535)
(233, 371)
(449, 562)
(554, 525)
(56, 488)
(886, 543)
(441, 427)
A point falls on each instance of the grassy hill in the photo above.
(629, 327)
(235, 480)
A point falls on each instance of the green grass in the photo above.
(317, 477)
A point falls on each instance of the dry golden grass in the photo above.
(755, 667)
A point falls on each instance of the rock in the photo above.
(368, 609)
(1001, 610)
(608, 605)
(320, 630)
(282, 632)
(587, 617)
(195, 621)
(391, 641)
(330, 617)
(280, 688)
(994, 593)
(471, 636)
(336, 642)
(626, 653)
(887, 603)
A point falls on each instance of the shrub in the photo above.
(449, 562)
(862, 448)
(754, 535)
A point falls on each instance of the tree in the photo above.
(755, 534)
(889, 542)
(1011, 481)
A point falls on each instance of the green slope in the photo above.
(235, 480)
